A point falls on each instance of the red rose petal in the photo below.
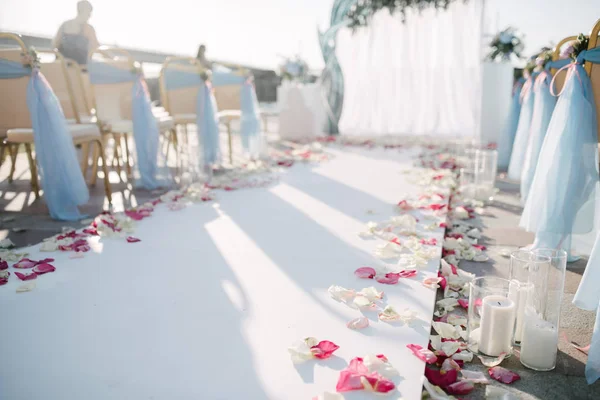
(443, 225)
(41, 269)
(4, 281)
(27, 277)
(131, 239)
(365, 273)
(91, 231)
(464, 303)
(441, 378)
(407, 273)
(396, 241)
(429, 242)
(324, 349)
(503, 375)
(422, 354)
(460, 388)
(3, 265)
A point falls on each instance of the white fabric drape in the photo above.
(421, 77)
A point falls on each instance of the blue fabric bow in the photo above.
(145, 127)
(61, 177)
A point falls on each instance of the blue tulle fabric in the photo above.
(145, 127)
(517, 157)
(250, 123)
(588, 295)
(250, 128)
(562, 193)
(505, 143)
(208, 125)
(206, 112)
(543, 105)
(61, 178)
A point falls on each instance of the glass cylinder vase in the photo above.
(486, 162)
(539, 344)
(521, 261)
(491, 317)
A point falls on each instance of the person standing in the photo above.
(76, 38)
(201, 56)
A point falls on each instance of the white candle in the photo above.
(539, 344)
(519, 294)
(497, 325)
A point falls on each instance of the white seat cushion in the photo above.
(84, 119)
(126, 125)
(185, 118)
(78, 131)
(229, 115)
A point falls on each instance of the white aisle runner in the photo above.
(206, 305)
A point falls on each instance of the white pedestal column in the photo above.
(496, 98)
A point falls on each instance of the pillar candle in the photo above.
(539, 344)
(497, 325)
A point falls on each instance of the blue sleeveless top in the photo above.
(75, 46)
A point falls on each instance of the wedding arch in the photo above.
(403, 67)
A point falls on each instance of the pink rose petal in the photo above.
(460, 388)
(441, 378)
(503, 375)
(407, 273)
(464, 303)
(389, 278)
(41, 269)
(358, 323)
(3, 265)
(429, 242)
(91, 231)
(25, 263)
(324, 349)
(131, 239)
(403, 205)
(4, 279)
(357, 377)
(422, 354)
(27, 277)
(365, 273)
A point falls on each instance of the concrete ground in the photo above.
(25, 221)
(567, 381)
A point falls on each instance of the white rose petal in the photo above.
(474, 376)
(363, 302)
(358, 323)
(445, 330)
(381, 366)
(389, 314)
(371, 293)
(340, 293)
(387, 250)
(449, 348)
(455, 320)
(436, 342)
(300, 351)
(465, 356)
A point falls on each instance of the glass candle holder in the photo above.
(539, 344)
(486, 162)
(491, 317)
(467, 181)
(521, 261)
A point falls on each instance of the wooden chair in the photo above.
(560, 78)
(112, 104)
(15, 120)
(593, 70)
(180, 103)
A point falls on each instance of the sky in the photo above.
(260, 32)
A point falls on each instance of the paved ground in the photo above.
(26, 221)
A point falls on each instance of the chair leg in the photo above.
(127, 162)
(35, 186)
(13, 151)
(116, 153)
(95, 157)
(85, 154)
(229, 141)
(107, 189)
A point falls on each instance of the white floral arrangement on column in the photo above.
(506, 43)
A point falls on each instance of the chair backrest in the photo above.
(56, 74)
(13, 101)
(228, 97)
(112, 101)
(82, 92)
(180, 100)
(594, 69)
(559, 81)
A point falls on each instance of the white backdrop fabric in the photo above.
(421, 77)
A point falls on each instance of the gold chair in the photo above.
(559, 81)
(15, 120)
(112, 103)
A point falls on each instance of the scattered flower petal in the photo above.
(358, 323)
(496, 393)
(4, 277)
(41, 269)
(422, 354)
(371, 293)
(381, 365)
(131, 239)
(441, 378)
(3, 265)
(26, 277)
(492, 361)
(432, 282)
(26, 287)
(365, 273)
(445, 330)
(324, 349)
(474, 376)
(460, 388)
(358, 377)
(503, 375)
(341, 293)
(389, 314)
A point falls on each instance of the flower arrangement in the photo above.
(30, 58)
(361, 13)
(294, 69)
(505, 44)
(575, 47)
